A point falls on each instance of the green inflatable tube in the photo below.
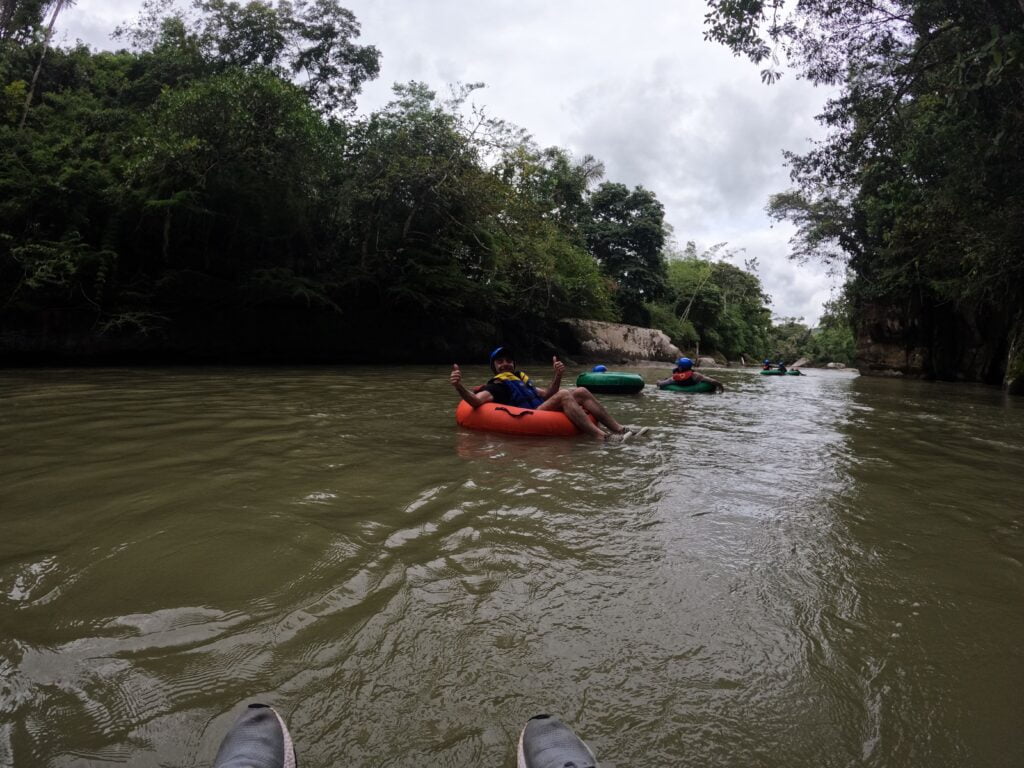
(608, 383)
(700, 386)
(773, 372)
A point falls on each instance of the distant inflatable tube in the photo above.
(700, 386)
(794, 373)
(609, 383)
(509, 420)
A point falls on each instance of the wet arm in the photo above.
(556, 380)
(713, 382)
(474, 399)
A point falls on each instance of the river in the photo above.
(816, 571)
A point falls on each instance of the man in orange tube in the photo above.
(511, 387)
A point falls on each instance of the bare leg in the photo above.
(583, 396)
(564, 401)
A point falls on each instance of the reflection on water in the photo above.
(824, 570)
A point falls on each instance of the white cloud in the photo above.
(634, 85)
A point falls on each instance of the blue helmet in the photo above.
(685, 363)
(767, 362)
(600, 369)
(502, 351)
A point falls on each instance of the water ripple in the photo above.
(795, 572)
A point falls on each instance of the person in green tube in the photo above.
(683, 375)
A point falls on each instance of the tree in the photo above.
(200, 190)
(21, 20)
(310, 41)
(787, 339)
(557, 185)
(625, 233)
(832, 341)
(22, 17)
(432, 233)
(228, 173)
(917, 186)
(714, 303)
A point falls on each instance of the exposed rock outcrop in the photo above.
(916, 339)
(888, 342)
(596, 341)
(1014, 381)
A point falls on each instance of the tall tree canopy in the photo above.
(310, 41)
(210, 189)
(918, 184)
(626, 234)
(211, 183)
(714, 305)
(22, 20)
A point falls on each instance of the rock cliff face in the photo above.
(938, 342)
(595, 341)
(1015, 367)
(888, 342)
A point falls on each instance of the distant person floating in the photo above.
(778, 369)
(259, 738)
(511, 387)
(683, 375)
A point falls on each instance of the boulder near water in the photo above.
(593, 340)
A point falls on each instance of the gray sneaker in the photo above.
(258, 739)
(547, 742)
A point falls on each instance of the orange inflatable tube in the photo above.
(510, 420)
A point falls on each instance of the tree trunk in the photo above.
(39, 66)
(686, 312)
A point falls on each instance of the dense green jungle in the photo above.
(208, 193)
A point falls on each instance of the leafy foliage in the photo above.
(714, 304)
(203, 176)
(918, 185)
(831, 342)
(214, 176)
(626, 234)
(21, 20)
(311, 41)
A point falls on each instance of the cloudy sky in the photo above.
(634, 85)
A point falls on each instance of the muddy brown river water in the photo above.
(816, 571)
